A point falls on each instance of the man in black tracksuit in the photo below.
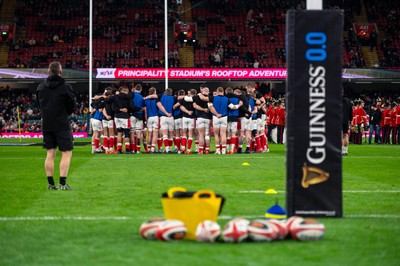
(375, 117)
(122, 109)
(56, 101)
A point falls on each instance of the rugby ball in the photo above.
(283, 230)
(262, 231)
(235, 231)
(208, 231)
(293, 220)
(148, 229)
(171, 230)
(307, 230)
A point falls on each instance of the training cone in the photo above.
(271, 191)
(276, 212)
(245, 164)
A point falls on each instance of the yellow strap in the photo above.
(172, 190)
(197, 194)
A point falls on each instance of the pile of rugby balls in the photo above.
(164, 230)
(236, 230)
(262, 230)
(305, 229)
(208, 231)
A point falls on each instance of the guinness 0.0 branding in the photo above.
(316, 152)
(314, 163)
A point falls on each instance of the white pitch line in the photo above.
(193, 156)
(396, 216)
(257, 191)
(125, 218)
(344, 191)
(58, 218)
(380, 216)
(371, 191)
(163, 157)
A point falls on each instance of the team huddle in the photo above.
(171, 123)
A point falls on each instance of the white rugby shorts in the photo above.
(136, 124)
(167, 123)
(245, 123)
(96, 124)
(178, 123)
(108, 123)
(220, 122)
(254, 124)
(152, 123)
(187, 123)
(123, 123)
(203, 123)
(232, 127)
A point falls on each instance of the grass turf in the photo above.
(97, 224)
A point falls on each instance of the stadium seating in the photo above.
(138, 26)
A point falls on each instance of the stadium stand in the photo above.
(123, 35)
(386, 15)
(231, 33)
(29, 113)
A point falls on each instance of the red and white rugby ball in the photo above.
(148, 229)
(293, 220)
(262, 231)
(307, 230)
(235, 231)
(171, 230)
(208, 231)
(283, 230)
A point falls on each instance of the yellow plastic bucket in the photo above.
(191, 211)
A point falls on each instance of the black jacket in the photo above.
(109, 106)
(375, 117)
(56, 101)
(122, 101)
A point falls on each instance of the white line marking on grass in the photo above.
(168, 156)
(396, 216)
(58, 218)
(379, 216)
(149, 157)
(344, 191)
(372, 157)
(126, 218)
(257, 191)
(371, 191)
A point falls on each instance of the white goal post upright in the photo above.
(90, 53)
(314, 5)
(166, 42)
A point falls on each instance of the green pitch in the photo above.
(97, 224)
